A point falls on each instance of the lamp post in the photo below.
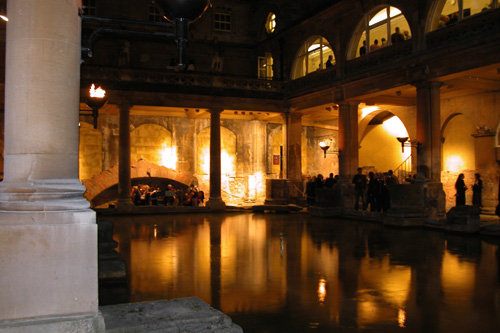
(181, 13)
(405, 143)
(95, 100)
(325, 146)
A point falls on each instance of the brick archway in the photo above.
(103, 187)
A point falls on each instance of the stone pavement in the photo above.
(175, 316)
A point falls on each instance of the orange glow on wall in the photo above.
(168, 157)
(454, 163)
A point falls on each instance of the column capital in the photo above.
(215, 110)
(427, 84)
(347, 103)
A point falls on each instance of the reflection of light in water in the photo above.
(322, 290)
(401, 317)
(454, 163)
(169, 157)
(155, 231)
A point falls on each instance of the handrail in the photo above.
(403, 170)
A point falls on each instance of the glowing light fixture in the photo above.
(405, 143)
(95, 100)
(325, 145)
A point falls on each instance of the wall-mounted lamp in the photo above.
(96, 100)
(405, 143)
(325, 145)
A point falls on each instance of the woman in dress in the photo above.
(461, 188)
(477, 190)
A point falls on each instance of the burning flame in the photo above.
(96, 93)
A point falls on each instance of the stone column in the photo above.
(124, 202)
(429, 131)
(348, 139)
(215, 200)
(48, 234)
(294, 143)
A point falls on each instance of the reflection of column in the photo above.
(215, 262)
(348, 139)
(48, 234)
(215, 201)
(124, 201)
(429, 131)
(294, 154)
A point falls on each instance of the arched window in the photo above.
(271, 23)
(447, 12)
(378, 29)
(312, 56)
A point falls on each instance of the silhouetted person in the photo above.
(330, 181)
(477, 191)
(375, 45)
(329, 62)
(362, 49)
(397, 36)
(359, 181)
(373, 192)
(461, 188)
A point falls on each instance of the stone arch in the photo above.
(311, 56)
(369, 30)
(90, 151)
(458, 148)
(149, 142)
(103, 188)
(379, 129)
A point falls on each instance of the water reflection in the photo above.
(297, 273)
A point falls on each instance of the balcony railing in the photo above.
(185, 82)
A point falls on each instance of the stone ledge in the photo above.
(178, 315)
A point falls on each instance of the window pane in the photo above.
(471, 7)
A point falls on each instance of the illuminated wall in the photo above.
(458, 146)
(90, 151)
(148, 142)
(380, 149)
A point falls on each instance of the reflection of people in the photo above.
(461, 188)
(329, 61)
(397, 36)
(477, 190)
(359, 180)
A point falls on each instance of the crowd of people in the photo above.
(154, 196)
(372, 190)
(396, 37)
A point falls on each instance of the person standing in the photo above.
(359, 180)
(460, 188)
(477, 190)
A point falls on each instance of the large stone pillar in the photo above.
(215, 200)
(124, 202)
(429, 131)
(294, 145)
(48, 234)
(348, 139)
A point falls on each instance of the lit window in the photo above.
(222, 21)
(266, 67)
(315, 54)
(452, 11)
(89, 7)
(379, 29)
(271, 23)
(155, 16)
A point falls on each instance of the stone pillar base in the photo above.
(49, 265)
(277, 192)
(124, 206)
(78, 323)
(216, 204)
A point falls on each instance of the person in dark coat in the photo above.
(461, 188)
(477, 190)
